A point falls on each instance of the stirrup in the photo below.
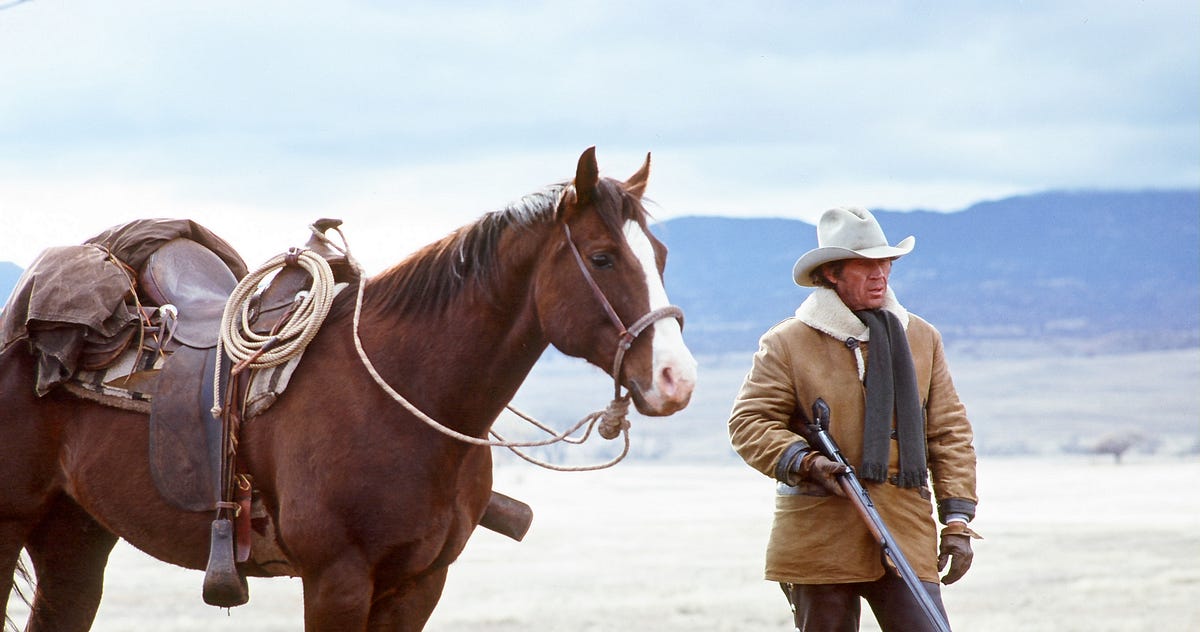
(224, 587)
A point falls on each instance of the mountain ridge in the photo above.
(1112, 267)
(1112, 270)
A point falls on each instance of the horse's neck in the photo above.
(467, 362)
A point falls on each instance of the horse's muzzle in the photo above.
(673, 378)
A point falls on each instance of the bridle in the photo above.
(625, 335)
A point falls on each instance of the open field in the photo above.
(1024, 399)
(673, 539)
(1072, 544)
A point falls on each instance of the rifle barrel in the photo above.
(824, 443)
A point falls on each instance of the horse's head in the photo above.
(600, 291)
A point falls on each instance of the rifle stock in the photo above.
(507, 516)
(819, 439)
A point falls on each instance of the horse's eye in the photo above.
(602, 261)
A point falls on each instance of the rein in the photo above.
(612, 420)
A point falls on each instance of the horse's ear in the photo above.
(587, 176)
(636, 184)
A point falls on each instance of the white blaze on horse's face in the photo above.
(674, 368)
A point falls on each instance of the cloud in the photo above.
(415, 117)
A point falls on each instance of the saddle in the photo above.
(189, 285)
(195, 284)
(275, 303)
(191, 457)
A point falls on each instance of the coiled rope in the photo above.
(249, 349)
(252, 350)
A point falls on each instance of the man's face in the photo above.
(862, 283)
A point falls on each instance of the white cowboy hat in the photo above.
(847, 233)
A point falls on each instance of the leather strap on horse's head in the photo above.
(625, 335)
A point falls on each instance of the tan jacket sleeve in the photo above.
(758, 423)
(949, 441)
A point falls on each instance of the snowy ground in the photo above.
(1072, 543)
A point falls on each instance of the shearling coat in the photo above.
(817, 538)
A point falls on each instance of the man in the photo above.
(894, 414)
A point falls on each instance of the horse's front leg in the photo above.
(337, 597)
(69, 551)
(12, 538)
(408, 607)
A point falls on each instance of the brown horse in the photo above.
(370, 505)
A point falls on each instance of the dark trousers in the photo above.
(838, 607)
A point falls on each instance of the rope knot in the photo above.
(612, 420)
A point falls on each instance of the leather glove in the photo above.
(815, 467)
(955, 549)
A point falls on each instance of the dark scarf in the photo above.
(891, 387)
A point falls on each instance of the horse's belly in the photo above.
(105, 466)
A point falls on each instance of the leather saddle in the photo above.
(190, 285)
(275, 302)
(188, 458)
(194, 281)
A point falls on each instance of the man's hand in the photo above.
(955, 549)
(818, 469)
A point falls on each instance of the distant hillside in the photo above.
(1115, 268)
(9, 274)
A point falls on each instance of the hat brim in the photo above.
(811, 260)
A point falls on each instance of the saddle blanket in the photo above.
(129, 383)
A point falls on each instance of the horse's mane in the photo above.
(429, 279)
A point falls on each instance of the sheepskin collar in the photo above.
(824, 311)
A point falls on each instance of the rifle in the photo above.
(819, 438)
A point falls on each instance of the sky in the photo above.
(409, 119)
